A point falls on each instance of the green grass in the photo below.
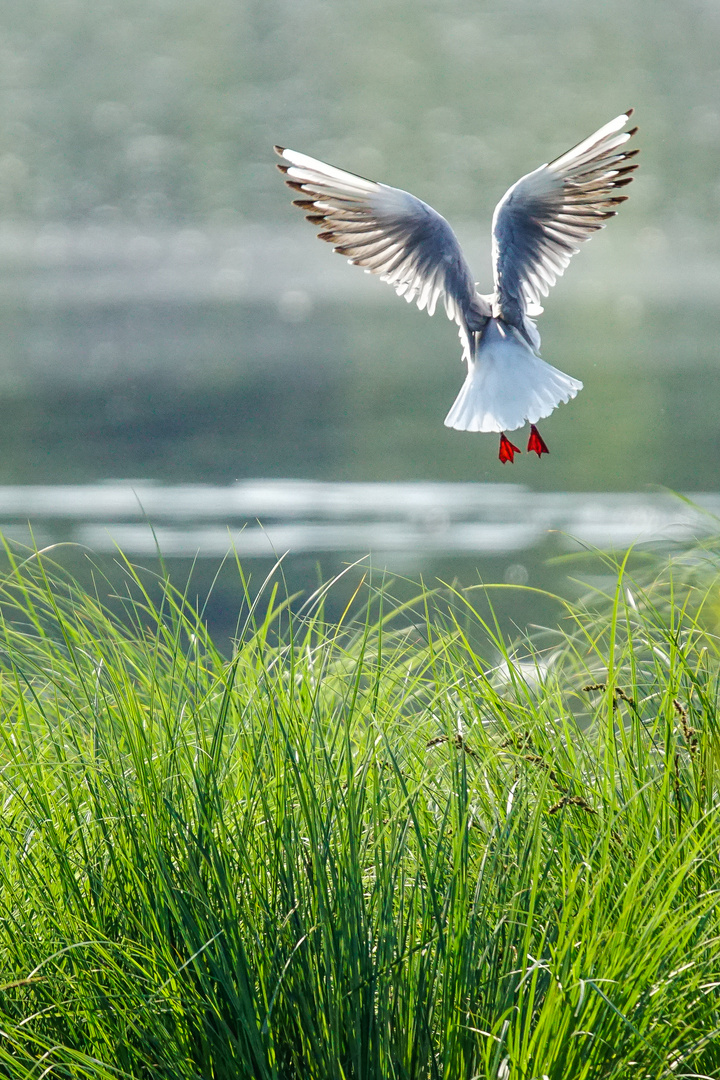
(382, 849)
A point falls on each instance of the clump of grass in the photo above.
(375, 849)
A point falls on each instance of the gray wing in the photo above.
(391, 233)
(542, 220)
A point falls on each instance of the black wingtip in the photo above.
(632, 131)
(628, 113)
(280, 150)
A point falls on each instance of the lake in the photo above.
(294, 408)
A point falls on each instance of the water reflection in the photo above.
(266, 518)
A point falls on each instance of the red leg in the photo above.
(536, 442)
(507, 450)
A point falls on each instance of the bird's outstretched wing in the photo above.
(542, 220)
(391, 233)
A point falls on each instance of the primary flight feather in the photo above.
(537, 226)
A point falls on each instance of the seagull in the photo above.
(537, 226)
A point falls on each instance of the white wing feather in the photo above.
(542, 220)
(390, 233)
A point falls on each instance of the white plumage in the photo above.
(507, 385)
(538, 225)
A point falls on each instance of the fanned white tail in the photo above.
(507, 385)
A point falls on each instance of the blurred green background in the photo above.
(168, 315)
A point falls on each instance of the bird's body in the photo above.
(537, 226)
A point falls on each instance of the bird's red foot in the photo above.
(507, 450)
(536, 442)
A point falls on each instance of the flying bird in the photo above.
(537, 226)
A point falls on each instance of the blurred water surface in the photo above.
(167, 318)
(261, 518)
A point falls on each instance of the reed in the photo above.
(398, 846)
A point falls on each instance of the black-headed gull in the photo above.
(537, 226)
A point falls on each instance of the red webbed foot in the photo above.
(536, 442)
(507, 450)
